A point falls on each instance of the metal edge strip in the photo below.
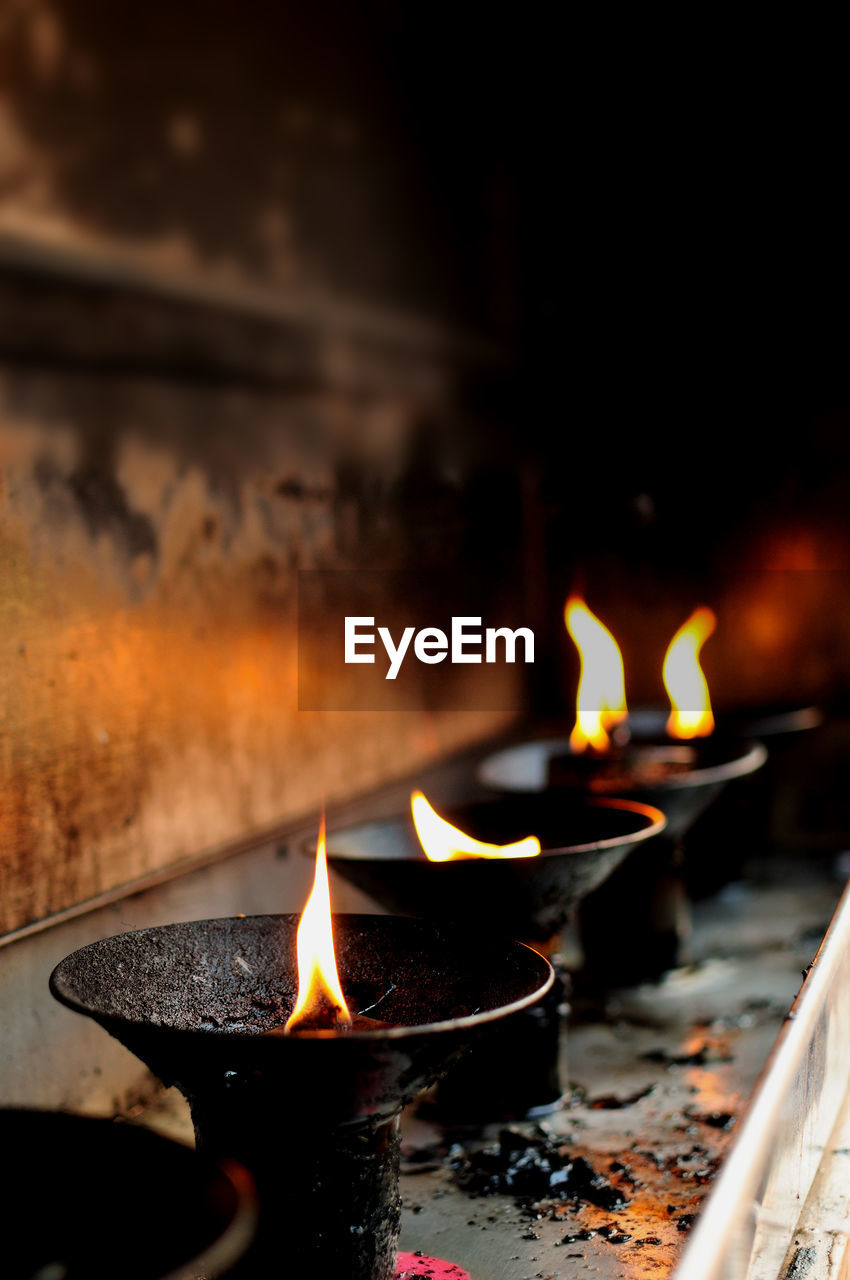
(724, 1244)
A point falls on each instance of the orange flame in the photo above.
(684, 681)
(320, 1004)
(601, 699)
(443, 843)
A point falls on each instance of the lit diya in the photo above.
(297, 1044)
(680, 766)
(753, 813)
(636, 926)
(521, 864)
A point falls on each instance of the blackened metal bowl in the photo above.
(699, 770)
(90, 1199)
(529, 898)
(193, 1001)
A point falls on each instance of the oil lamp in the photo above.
(297, 1054)
(437, 872)
(681, 767)
(74, 1181)
(758, 815)
(521, 863)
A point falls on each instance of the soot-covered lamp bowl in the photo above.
(314, 1115)
(525, 897)
(681, 778)
(634, 928)
(762, 811)
(582, 841)
(89, 1199)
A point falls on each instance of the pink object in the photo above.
(412, 1264)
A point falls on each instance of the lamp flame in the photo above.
(320, 1004)
(684, 681)
(443, 843)
(601, 698)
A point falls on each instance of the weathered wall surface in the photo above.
(220, 231)
(313, 148)
(151, 535)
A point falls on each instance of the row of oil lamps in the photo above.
(298, 1042)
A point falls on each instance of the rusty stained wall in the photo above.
(150, 540)
(173, 454)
